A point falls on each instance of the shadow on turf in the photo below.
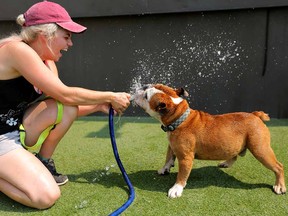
(151, 181)
(147, 180)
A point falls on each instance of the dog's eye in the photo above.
(146, 95)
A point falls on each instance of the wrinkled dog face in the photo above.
(143, 96)
(157, 100)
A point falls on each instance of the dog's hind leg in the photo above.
(227, 163)
(268, 159)
(170, 159)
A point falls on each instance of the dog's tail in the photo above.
(263, 116)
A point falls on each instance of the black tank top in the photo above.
(15, 96)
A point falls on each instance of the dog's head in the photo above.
(161, 101)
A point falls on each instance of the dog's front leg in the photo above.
(170, 159)
(185, 167)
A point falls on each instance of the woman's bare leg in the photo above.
(26, 180)
(38, 117)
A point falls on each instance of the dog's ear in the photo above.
(181, 92)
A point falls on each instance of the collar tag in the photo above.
(168, 128)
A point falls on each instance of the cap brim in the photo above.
(72, 26)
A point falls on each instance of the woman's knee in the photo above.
(70, 112)
(46, 198)
(44, 111)
(48, 112)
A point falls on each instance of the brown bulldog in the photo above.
(194, 134)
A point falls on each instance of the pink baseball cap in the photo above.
(50, 12)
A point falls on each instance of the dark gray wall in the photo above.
(100, 8)
(233, 59)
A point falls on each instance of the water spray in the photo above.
(124, 174)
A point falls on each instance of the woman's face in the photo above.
(61, 42)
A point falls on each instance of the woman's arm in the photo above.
(27, 62)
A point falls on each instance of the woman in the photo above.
(32, 96)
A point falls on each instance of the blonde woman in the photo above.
(36, 108)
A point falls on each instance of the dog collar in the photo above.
(175, 124)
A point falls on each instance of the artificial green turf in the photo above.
(96, 186)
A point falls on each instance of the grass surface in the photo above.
(97, 187)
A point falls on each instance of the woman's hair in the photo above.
(29, 34)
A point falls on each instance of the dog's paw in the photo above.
(166, 168)
(164, 171)
(223, 165)
(227, 163)
(279, 190)
(175, 191)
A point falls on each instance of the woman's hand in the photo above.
(103, 108)
(120, 102)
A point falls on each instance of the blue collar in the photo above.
(175, 124)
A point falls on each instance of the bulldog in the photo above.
(194, 134)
